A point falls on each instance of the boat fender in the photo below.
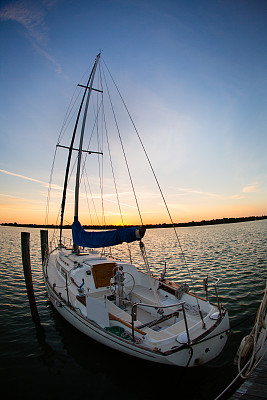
(181, 290)
(243, 349)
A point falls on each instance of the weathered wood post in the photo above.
(44, 244)
(26, 262)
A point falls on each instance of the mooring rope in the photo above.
(255, 336)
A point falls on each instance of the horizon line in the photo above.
(213, 221)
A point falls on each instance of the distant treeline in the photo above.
(209, 222)
(148, 226)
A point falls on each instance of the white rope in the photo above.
(256, 339)
(256, 334)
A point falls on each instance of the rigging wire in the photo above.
(50, 187)
(68, 117)
(113, 173)
(115, 183)
(100, 150)
(123, 150)
(104, 127)
(101, 180)
(87, 200)
(71, 106)
(156, 180)
(94, 128)
(148, 159)
(92, 197)
(109, 152)
(154, 174)
(63, 129)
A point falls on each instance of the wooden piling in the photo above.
(26, 262)
(44, 244)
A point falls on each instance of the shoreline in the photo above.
(217, 221)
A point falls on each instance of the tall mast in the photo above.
(89, 87)
(63, 202)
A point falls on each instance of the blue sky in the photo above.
(193, 74)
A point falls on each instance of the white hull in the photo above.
(184, 355)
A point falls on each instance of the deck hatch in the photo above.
(102, 274)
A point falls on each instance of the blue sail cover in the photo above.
(104, 239)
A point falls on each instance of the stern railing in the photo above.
(215, 285)
(161, 319)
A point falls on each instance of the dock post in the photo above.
(44, 244)
(26, 261)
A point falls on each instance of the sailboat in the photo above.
(116, 302)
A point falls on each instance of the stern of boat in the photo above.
(203, 349)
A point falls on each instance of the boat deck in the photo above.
(255, 387)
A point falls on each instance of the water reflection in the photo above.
(58, 359)
(132, 377)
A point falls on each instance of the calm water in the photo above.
(56, 361)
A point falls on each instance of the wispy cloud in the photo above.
(251, 188)
(58, 187)
(27, 178)
(31, 15)
(47, 56)
(211, 194)
(199, 192)
(236, 197)
(9, 196)
(122, 204)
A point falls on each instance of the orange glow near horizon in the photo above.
(23, 213)
(191, 126)
(185, 205)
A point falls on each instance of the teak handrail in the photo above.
(113, 317)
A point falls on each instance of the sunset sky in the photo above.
(193, 74)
